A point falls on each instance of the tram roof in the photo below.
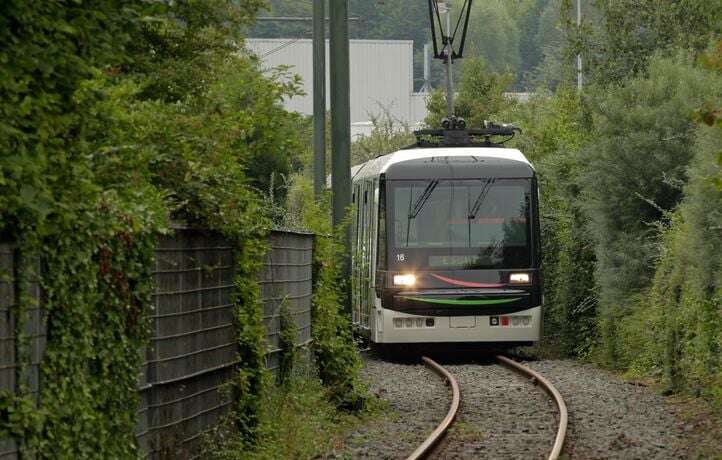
(503, 162)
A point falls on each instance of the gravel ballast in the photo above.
(504, 416)
(418, 400)
(613, 419)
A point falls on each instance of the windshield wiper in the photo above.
(421, 201)
(418, 204)
(480, 199)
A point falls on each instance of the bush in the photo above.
(387, 136)
(675, 332)
(553, 130)
(96, 238)
(644, 141)
(104, 139)
(333, 346)
(287, 343)
(298, 422)
(479, 96)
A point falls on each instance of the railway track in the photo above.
(428, 446)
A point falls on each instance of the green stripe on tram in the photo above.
(462, 302)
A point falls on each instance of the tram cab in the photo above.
(446, 245)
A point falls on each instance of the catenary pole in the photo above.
(341, 128)
(580, 82)
(319, 96)
(446, 8)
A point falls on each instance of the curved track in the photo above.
(433, 439)
(538, 379)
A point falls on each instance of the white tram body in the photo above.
(446, 247)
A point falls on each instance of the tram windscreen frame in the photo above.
(459, 224)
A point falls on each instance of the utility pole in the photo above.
(341, 130)
(340, 109)
(319, 97)
(319, 86)
(445, 8)
(579, 56)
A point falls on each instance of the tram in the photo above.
(446, 242)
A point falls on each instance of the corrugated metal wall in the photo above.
(192, 351)
(7, 336)
(382, 74)
(192, 348)
(34, 329)
(418, 106)
(287, 275)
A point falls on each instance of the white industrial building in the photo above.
(382, 77)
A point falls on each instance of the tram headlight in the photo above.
(519, 278)
(404, 280)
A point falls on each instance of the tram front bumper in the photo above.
(399, 327)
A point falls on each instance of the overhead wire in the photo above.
(281, 46)
(458, 22)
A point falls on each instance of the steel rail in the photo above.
(430, 442)
(553, 392)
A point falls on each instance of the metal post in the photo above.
(579, 56)
(340, 110)
(319, 97)
(445, 8)
(341, 128)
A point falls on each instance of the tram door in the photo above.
(356, 256)
(365, 195)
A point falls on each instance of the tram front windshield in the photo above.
(439, 224)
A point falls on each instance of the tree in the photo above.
(190, 56)
(622, 44)
(117, 115)
(554, 67)
(530, 22)
(480, 95)
(644, 139)
(387, 136)
(95, 238)
(494, 36)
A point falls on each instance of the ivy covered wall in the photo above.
(104, 138)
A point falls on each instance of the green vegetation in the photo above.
(96, 238)
(630, 184)
(308, 415)
(117, 119)
(334, 348)
(674, 331)
(333, 345)
(645, 137)
(387, 135)
(299, 423)
(497, 37)
(479, 94)
(287, 343)
(617, 44)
